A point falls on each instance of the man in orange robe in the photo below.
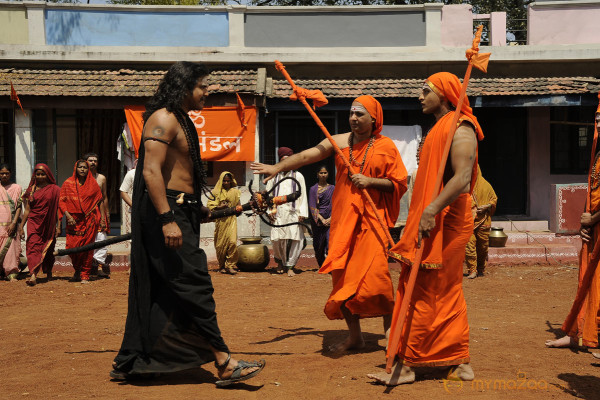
(584, 331)
(357, 258)
(436, 331)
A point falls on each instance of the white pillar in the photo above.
(433, 24)
(498, 29)
(23, 147)
(236, 25)
(36, 22)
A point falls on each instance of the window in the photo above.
(571, 136)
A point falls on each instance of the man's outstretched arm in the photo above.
(295, 161)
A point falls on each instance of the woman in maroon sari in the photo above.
(80, 197)
(41, 206)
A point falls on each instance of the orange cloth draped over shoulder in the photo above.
(357, 258)
(436, 332)
(82, 202)
(586, 326)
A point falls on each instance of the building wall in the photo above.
(13, 27)
(81, 27)
(563, 22)
(335, 29)
(540, 180)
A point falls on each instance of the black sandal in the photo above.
(236, 375)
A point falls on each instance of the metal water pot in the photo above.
(497, 237)
(253, 256)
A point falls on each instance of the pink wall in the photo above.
(457, 25)
(539, 180)
(568, 24)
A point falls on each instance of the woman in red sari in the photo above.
(80, 197)
(41, 210)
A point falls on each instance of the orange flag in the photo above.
(318, 98)
(240, 109)
(15, 97)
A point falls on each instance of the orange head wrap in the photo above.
(374, 109)
(448, 86)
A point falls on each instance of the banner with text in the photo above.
(224, 133)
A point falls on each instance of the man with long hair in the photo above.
(171, 321)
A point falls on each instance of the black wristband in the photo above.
(166, 218)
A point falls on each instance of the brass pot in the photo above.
(253, 256)
(497, 237)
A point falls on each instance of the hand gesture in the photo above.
(204, 214)
(586, 219)
(173, 236)
(71, 221)
(264, 169)
(426, 225)
(586, 234)
(360, 181)
(12, 228)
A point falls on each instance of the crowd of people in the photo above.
(81, 200)
(171, 322)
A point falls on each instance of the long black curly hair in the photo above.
(177, 83)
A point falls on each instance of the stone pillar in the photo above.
(236, 25)
(36, 22)
(498, 29)
(433, 24)
(23, 147)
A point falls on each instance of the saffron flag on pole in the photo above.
(15, 97)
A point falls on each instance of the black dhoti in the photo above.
(171, 320)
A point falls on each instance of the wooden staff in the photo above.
(301, 96)
(397, 329)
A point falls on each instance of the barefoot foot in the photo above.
(291, 272)
(348, 344)
(401, 374)
(31, 281)
(462, 372)
(472, 275)
(565, 341)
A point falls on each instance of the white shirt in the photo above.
(287, 213)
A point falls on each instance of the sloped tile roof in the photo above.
(410, 87)
(139, 83)
(122, 82)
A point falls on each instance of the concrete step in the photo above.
(515, 238)
(511, 225)
(562, 253)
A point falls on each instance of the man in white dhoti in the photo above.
(287, 241)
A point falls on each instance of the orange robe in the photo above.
(436, 331)
(586, 326)
(357, 258)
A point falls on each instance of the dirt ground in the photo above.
(57, 340)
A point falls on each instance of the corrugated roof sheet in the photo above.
(410, 87)
(122, 82)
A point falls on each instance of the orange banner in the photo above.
(224, 133)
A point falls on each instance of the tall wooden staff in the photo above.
(479, 61)
(301, 94)
(586, 280)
